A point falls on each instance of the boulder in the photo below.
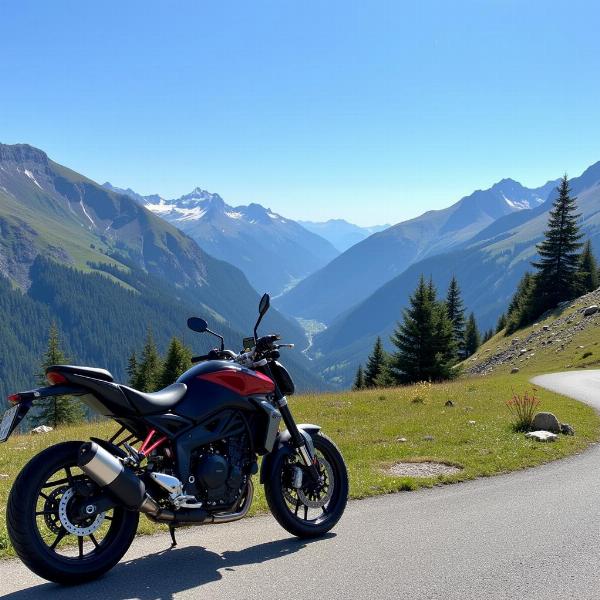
(591, 310)
(541, 436)
(546, 421)
(514, 370)
(41, 429)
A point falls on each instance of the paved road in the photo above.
(533, 534)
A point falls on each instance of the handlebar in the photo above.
(265, 348)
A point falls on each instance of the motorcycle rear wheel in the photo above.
(36, 514)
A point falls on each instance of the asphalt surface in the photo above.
(533, 534)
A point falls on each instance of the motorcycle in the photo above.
(184, 455)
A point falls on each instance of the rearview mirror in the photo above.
(264, 304)
(197, 324)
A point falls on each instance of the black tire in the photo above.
(24, 529)
(282, 509)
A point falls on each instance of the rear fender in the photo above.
(283, 446)
(24, 400)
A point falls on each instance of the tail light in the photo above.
(14, 398)
(55, 378)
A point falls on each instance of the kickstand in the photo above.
(172, 532)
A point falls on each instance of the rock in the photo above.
(541, 436)
(591, 310)
(41, 429)
(546, 421)
(515, 341)
(449, 403)
(472, 422)
(514, 370)
(428, 438)
(566, 429)
(546, 327)
(401, 440)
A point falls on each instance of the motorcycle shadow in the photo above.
(165, 573)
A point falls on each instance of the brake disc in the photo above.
(51, 517)
(88, 527)
(319, 500)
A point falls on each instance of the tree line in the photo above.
(565, 270)
(434, 336)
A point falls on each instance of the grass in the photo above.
(368, 424)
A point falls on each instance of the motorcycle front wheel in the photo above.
(308, 511)
(43, 530)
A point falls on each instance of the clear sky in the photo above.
(371, 111)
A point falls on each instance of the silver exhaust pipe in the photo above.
(110, 473)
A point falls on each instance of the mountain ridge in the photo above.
(274, 252)
(386, 254)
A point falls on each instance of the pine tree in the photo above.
(501, 324)
(359, 379)
(149, 369)
(557, 277)
(521, 310)
(423, 339)
(588, 269)
(472, 337)
(444, 344)
(56, 410)
(375, 364)
(456, 314)
(177, 361)
(132, 369)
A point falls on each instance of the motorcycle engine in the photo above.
(221, 470)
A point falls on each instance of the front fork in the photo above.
(306, 453)
(298, 441)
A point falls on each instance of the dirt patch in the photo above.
(422, 469)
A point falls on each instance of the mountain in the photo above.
(273, 252)
(488, 268)
(341, 234)
(329, 292)
(126, 261)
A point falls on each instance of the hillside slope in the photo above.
(272, 251)
(331, 291)
(50, 211)
(488, 271)
(566, 338)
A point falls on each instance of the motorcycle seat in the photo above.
(92, 372)
(155, 402)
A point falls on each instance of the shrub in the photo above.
(420, 392)
(522, 408)
(586, 354)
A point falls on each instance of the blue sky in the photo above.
(370, 111)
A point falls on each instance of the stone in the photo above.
(449, 403)
(401, 440)
(546, 421)
(428, 438)
(566, 429)
(41, 429)
(472, 422)
(541, 436)
(546, 327)
(591, 310)
(514, 370)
